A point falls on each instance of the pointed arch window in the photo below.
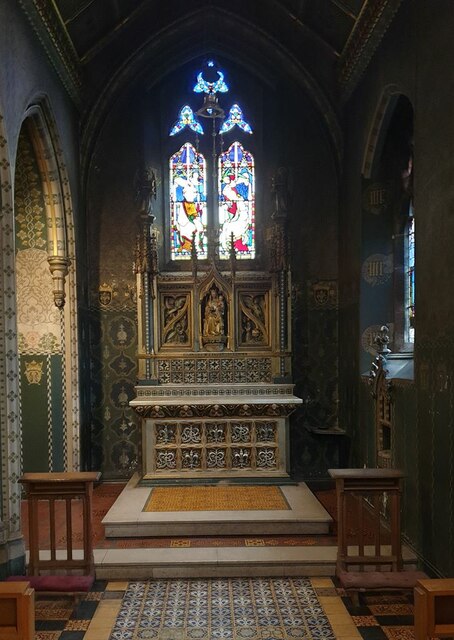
(188, 202)
(211, 217)
(236, 202)
(410, 278)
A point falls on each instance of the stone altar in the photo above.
(214, 348)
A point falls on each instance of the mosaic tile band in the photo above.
(216, 499)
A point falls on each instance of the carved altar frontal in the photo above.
(212, 431)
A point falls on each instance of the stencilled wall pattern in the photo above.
(113, 346)
(40, 326)
(9, 400)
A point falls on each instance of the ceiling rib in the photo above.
(83, 7)
(345, 9)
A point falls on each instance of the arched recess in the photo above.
(386, 210)
(45, 265)
(380, 122)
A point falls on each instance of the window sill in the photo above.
(399, 366)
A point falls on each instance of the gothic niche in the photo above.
(253, 319)
(214, 321)
(175, 320)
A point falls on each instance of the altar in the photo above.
(214, 390)
(197, 431)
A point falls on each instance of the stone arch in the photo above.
(40, 126)
(164, 52)
(378, 128)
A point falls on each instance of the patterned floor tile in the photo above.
(399, 633)
(238, 608)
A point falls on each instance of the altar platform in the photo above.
(190, 556)
(302, 514)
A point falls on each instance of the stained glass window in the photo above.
(233, 192)
(235, 118)
(236, 202)
(188, 208)
(410, 281)
(186, 118)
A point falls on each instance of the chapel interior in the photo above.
(219, 224)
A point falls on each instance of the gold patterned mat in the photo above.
(224, 498)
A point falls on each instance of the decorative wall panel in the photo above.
(114, 437)
(39, 322)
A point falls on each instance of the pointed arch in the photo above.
(236, 188)
(380, 121)
(188, 203)
(41, 128)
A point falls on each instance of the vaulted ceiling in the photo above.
(94, 24)
(88, 41)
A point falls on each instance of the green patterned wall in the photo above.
(114, 429)
(41, 358)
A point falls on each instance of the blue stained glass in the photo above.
(188, 207)
(235, 118)
(410, 284)
(236, 185)
(186, 118)
(203, 86)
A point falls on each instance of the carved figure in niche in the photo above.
(253, 323)
(280, 191)
(145, 188)
(175, 320)
(213, 324)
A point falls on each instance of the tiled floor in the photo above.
(387, 616)
(379, 616)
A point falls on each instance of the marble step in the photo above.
(129, 564)
(216, 562)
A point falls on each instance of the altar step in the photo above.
(126, 518)
(208, 562)
(211, 562)
(214, 562)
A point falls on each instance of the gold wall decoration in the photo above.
(34, 372)
(105, 294)
(323, 294)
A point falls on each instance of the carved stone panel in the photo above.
(182, 446)
(176, 331)
(253, 319)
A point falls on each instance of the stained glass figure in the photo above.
(186, 118)
(410, 282)
(235, 118)
(236, 186)
(188, 207)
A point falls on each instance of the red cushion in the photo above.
(380, 579)
(67, 584)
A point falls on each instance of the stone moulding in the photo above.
(281, 409)
(366, 35)
(237, 390)
(57, 44)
